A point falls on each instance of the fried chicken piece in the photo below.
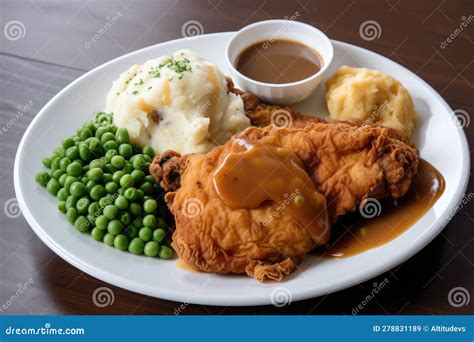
(347, 162)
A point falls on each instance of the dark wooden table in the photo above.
(48, 50)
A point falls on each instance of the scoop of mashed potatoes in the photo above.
(178, 102)
(372, 96)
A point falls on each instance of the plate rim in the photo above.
(115, 280)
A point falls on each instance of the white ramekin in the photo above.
(268, 31)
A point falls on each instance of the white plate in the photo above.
(438, 139)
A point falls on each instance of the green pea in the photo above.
(121, 136)
(100, 131)
(85, 152)
(147, 158)
(121, 242)
(141, 195)
(138, 176)
(94, 209)
(109, 154)
(150, 179)
(97, 192)
(145, 234)
(135, 209)
(53, 186)
(62, 179)
(125, 150)
(126, 181)
(117, 176)
(121, 202)
(110, 145)
(132, 231)
(96, 163)
(71, 215)
(103, 202)
(90, 184)
(125, 218)
(95, 174)
(115, 227)
(110, 168)
(117, 161)
(62, 206)
(107, 136)
(150, 206)
(148, 150)
(111, 187)
(85, 133)
(136, 246)
(78, 189)
(81, 224)
(69, 181)
(151, 249)
(62, 194)
(71, 201)
(158, 235)
(74, 169)
(128, 167)
(166, 252)
(57, 173)
(63, 163)
(138, 221)
(46, 162)
(147, 188)
(55, 163)
(97, 234)
(101, 222)
(107, 177)
(109, 239)
(42, 178)
(138, 163)
(110, 211)
(68, 142)
(149, 221)
(72, 153)
(131, 194)
(82, 205)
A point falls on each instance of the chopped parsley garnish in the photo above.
(135, 92)
(179, 66)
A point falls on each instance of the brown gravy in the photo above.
(264, 172)
(395, 218)
(278, 61)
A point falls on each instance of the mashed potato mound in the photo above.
(178, 102)
(370, 95)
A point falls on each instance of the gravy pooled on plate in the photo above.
(279, 61)
(265, 172)
(394, 217)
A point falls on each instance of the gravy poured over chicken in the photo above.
(268, 173)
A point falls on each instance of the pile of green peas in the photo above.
(104, 188)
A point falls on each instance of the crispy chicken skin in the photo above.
(347, 162)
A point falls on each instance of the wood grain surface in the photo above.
(47, 44)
